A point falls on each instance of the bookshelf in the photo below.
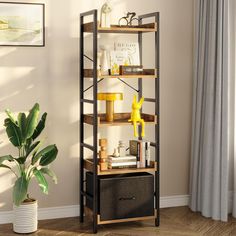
(97, 120)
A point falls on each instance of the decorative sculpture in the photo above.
(136, 117)
(110, 98)
(103, 154)
(129, 19)
(105, 17)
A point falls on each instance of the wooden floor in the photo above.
(174, 221)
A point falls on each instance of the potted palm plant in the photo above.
(32, 161)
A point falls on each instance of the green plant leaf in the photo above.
(40, 126)
(31, 121)
(43, 184)
(50, 173)
(50, 156)
(20, 190)
(22, 124)
(13, 132)
(32, 147)
(21, 160)
(5, 166)
(46, 155)
(11, 116)
(6, 158)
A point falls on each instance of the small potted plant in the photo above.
(32, 161)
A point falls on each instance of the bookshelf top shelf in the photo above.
(144, 28)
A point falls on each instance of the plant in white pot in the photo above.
(32, 161)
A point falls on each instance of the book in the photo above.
(123, 167)
(129, 163)
(147, 154)
(132, 48)
(141, 149)
(118, 58)
(130, 157)
(124, 159)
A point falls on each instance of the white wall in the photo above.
(49, 75)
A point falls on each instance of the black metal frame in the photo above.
(93, 147)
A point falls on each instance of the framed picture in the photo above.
(22, 24)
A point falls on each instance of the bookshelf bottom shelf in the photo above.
(89, 214)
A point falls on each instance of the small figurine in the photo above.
(105, 17)
(136, 117)
(129, 19)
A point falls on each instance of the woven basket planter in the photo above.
(26, 217)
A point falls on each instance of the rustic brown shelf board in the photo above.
(150, 27)
(119, 119)
(88, 165)
(147, 74)
(103, 222)
(89, 214)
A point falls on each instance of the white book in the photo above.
(130, 157)
(132, 48)
(123, 163)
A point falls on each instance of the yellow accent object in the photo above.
(136, 117)
(110, 98)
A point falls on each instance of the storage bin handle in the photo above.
(126, 198)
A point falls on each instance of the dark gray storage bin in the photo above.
(123, 196)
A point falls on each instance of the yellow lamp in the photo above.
(110, 98)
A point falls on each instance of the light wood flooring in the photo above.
(174, 221)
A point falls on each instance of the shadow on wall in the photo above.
(47, 75)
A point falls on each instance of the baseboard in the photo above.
(174, 201)
(45, 213)
(72, 211)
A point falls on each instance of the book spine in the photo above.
(143, 154)
(123, 163)
(123, 167)
(147, 154)
(138, 155)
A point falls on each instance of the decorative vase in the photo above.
(104, 62)
(26, 217)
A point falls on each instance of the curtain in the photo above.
(209, 170)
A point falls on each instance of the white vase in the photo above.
(25, 217)
(104, 63)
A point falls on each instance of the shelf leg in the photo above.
(95, 230)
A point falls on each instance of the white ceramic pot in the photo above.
(26, 217)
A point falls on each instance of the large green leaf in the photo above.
(46, 155)
(20, 190)
(50, 173)
(11, 116)
(5, 166)
(32, 120)
(40, 126)
(43, 184)
(22, 125)
(13, 132)
(6, 158)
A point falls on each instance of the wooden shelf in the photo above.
(88, 165)
(144, 28)
(89, 214)
(147, 74)
(120, 119)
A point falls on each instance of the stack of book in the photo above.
(122, 162)
(141, 149)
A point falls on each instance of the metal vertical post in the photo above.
(157, 113)
(140, 80)
(95, 124)
(81, 83)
